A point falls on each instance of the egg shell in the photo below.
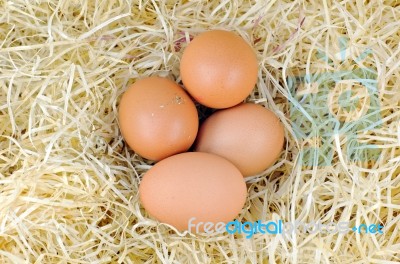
(219, 69)
(248, 135)
(157, 118)
(193, 184)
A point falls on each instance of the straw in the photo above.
(69, 183)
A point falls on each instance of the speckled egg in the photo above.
(157, 118)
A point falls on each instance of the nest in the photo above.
(69, 184)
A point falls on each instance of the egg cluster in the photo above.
(159, 121)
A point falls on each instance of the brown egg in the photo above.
(157, 118)
(219, 69)
(193, 187)
(248, 135)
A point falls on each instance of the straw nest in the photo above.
(68, 183)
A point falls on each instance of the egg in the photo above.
(219, 69)
(193, 188)
(157, 118)
(248, 135)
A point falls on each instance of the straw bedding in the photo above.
(68, 182)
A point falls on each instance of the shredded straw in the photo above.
(69, 184)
